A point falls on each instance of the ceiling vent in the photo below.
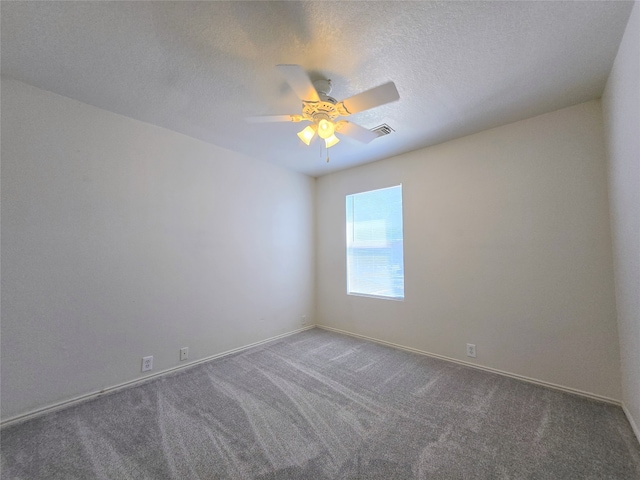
(382, 130)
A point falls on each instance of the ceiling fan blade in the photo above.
(273, 118)
(355, 131)
(371, 98)
(300, 82)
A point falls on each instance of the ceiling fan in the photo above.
(322, 110)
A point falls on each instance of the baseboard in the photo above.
(592, 396)
(90, 396)
(634, 425)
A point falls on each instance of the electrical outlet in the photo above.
(184, 353)
(147, 363)
(471, 350)
(304, 320)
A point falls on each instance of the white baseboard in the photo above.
(108, 390)
(634, 425)
(543, 383)
(89, 396)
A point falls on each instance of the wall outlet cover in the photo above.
(147, 363)
(471, 350)
(184, 353)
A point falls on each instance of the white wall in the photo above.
(621, 107)
(507, 245)
(121, 239)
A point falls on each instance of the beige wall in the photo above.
(507, 246)
(121, 239)
(621, 106)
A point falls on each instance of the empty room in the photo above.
(320, 240)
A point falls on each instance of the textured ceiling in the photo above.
(199, 68)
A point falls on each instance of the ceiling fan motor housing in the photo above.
(316, 111)
(327, 108)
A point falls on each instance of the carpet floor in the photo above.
(319, 405)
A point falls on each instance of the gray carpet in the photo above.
(318, 405)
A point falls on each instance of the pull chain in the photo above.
(327, 152)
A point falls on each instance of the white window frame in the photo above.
(395, 292)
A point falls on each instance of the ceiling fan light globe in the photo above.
(331, 141)
(326, 128)
(307, 134)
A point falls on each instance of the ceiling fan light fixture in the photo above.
(307, 134)
(322, 110)
(331, 141)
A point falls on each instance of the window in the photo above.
(375, 259)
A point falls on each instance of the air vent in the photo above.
(382, 130)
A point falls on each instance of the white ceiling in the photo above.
(199, 68)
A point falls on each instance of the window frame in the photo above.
(350, 231)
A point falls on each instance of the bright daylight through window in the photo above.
(375, 259)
